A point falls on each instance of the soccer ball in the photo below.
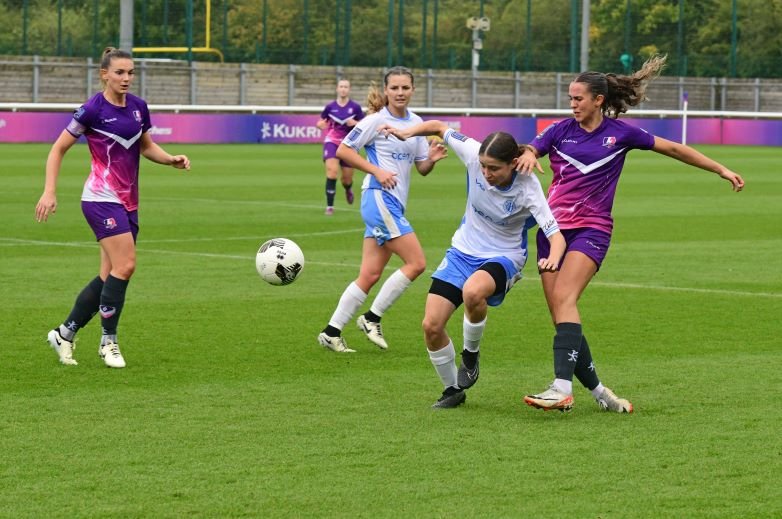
(279, 261)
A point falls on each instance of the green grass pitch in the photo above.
(229, 407)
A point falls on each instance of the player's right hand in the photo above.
(46, 205)
(387, 179)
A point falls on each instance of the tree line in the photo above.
(741, 38)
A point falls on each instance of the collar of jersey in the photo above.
(405, 118)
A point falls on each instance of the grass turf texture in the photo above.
(229, 407)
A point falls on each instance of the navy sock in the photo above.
(567, 343)
(85, 306)
(585, 370)
(331, 189)
(112, 299)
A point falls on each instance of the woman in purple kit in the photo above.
(338, 117)
(587, 153)
(115, 124)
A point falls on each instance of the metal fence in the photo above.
(72, 80)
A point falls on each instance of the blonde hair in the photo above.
(622, 92)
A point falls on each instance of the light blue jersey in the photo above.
(496, 219)
(390, 153)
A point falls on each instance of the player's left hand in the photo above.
(548, 265)
(527, 163)
(734, 178)
(180, 162)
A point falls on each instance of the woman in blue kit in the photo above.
(383, 199)
(488, 249)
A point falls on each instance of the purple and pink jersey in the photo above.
(586, 168)
(337, 117)
(113, 135)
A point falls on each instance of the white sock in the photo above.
(564, 386)
(444, 365)
(472, 334)
(352, 299)
(599, 389)
(394, 286)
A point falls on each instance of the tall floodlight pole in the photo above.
(477, 25)
(126, 25)
(585, 7)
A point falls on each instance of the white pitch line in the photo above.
(715, 291)
(11, 242)
(243, 238)
(247, 202)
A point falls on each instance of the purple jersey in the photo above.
(113, 134)
(338, 116)
(586, 167)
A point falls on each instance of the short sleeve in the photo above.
(83, 118)
(538, 206)
(363, 133)
(466, 148)
(639, 139)
(543, 141)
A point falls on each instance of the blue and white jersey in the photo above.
(496, 219)
(390, 153)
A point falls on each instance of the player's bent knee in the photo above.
(474, 297)
(432, 329)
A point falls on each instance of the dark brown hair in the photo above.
(622, 92)
(501, 146)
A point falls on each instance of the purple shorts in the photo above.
(330, 152)
(586, 240)
(110, 219)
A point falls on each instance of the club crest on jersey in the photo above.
(609, 142)
(110, 223)
(508, 206)
(137, 115)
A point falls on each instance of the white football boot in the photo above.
(63, 348)
(111, 355)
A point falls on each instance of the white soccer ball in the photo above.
(279, 261)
